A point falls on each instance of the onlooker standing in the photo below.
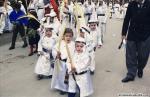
(18, 25)
(137, 23)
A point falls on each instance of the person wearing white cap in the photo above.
(51, 19)
(79, 70)
(102, 17)
(85, 33)
(55, 22)
(60, 55)
(43, 67)
(95, 37)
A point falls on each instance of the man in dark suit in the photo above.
(136, 30)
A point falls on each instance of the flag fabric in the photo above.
(55, 7)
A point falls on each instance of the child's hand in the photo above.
(58, 55)
(73, 69)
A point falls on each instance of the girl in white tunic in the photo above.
(46, 44)
(60, 55)
(102, 17)
(78, 69)
(96, 41)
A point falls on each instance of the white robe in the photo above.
(94, 41)
(88, 10)
(60, 69)
(56, 27)
(117, 10)
(102, 10)
(40, 12)
(2, 19)
(23, 8)
(83, 81)
(43, 65)
(102, 19)
(8, 25)
(71, 12)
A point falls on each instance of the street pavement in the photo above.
(17, 78)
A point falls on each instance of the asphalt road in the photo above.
(17, 78)
(5, 38)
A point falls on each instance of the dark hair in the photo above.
(80, 42)
(49, 29)
(34, 13)
(17, 5)
(68, 30)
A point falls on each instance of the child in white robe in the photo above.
(43, 67)
(78, 69)
(60, 55)
(96, 41)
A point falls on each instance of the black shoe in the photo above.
(30, 54)
(39, 77)
(35, 51)
(49, 77)
(25, 45)
(12, 47)
(127, 79)
(6, 31)
(140, 73)
(62, 93)
(92, 72)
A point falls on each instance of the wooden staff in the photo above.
(69, 57)
(1, 18)
(5, 5)
(59, 44)
(61, 34)
(79, 11)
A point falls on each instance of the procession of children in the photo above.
(65, 43)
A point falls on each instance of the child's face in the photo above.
(68, 37)
(82, 34)
(79, 47)
(92, 26)
(48, 33)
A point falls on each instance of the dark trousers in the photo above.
(71, 94)
(18, 29)
(137, 55)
